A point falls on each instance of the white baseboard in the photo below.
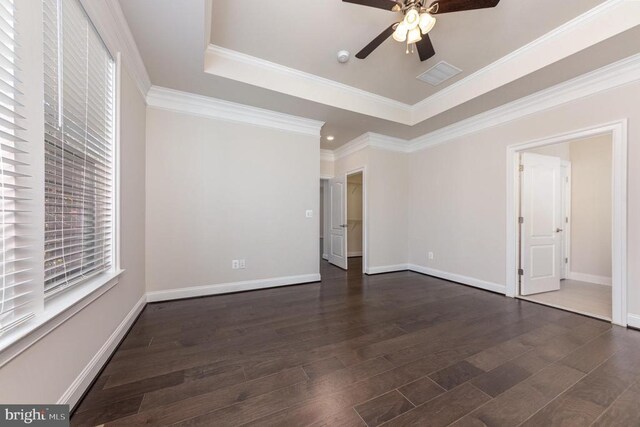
(633, 320)
(590, 278)
(225, 288)
(82, 382)
(325, 256)
(354, 253)
(465, 280)
(386, 269)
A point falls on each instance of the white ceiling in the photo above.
(306, 36)
(172, 36)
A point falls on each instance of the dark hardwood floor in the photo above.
(393, 349)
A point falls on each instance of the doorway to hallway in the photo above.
(344, 220)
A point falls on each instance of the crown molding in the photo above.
(606, 78)
(352, 146)
(389, 143)
(259, 72)
(606, 20)
(114, 30)
(600, 23)
(374, 140)
(198, 105)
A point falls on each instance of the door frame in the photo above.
(618, 132)
(365, 216)
(566, 213)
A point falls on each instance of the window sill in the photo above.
(58, 310)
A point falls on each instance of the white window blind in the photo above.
(79, 133)
(16, 293)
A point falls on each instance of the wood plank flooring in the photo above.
(394, 349)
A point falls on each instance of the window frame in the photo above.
(58, 307)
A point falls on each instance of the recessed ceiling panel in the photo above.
(306, 36)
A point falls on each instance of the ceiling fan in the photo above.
(417, 21)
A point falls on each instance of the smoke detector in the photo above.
(343, 56)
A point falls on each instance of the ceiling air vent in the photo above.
(439, 73)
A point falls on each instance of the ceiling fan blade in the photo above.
(375, 43)
(380, 4)
(425, 48)
(446, 6)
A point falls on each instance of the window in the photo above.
(57, 188)
(16, 299)
(79, 77)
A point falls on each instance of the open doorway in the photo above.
(354, 215)
(566, 225)
(345, 226)
(522, 269)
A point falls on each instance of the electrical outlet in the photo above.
(309, 213)
(235, 264)
(430, 255)
(243, 264)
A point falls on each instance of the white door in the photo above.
(338, 222)
(541, 228)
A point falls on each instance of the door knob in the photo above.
(344, 225)
(558, 230)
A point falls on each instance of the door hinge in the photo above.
(566, 219)
(521, 168)
(566, 260)
(521, 272)
(521, 220)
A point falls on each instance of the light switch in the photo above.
(309, 213)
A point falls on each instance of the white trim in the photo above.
(566, 206)
(618, 130)
(374, 140)
(204, 106)
(74, 393)
(386, 269)
(225, 288)
(256, 71)
(390, 143)
(112, 26)
(58, 310)
(633, 320)
(325, 257)
(458, 278)
(354, 254)
(352, 146)
(590, 278)
(606, 78)
(574, 36)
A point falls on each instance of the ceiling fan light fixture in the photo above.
(414, 36)
(427, 22)
(400, 34)
(411, 19)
